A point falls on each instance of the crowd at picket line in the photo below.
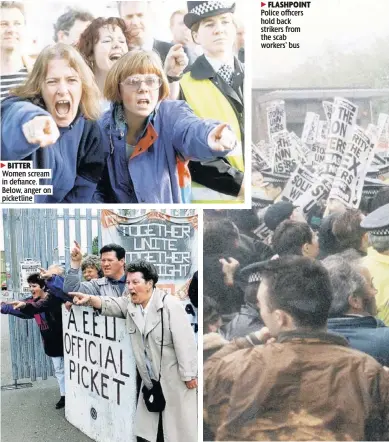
(120, 117)
(162, 339)
(296, 328)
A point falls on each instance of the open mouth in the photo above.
(143, 102)
(62, 107)
(115, 57)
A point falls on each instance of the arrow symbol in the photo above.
(263, 4)
(2, 165)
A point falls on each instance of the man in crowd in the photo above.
(278, 212)
(377, 259)
(14, 64)
(348, 232)
(308, 385)
(71, 25)
(354, 306)
(112, 258)
(213, 88)
(295, 238)
(45, 307)
(181, 35)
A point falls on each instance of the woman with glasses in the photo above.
(51, 121)
(102, 43)
(146, 135)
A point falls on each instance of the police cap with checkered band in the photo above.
(200, 10)
(377, 222)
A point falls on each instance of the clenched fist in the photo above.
(176, 61)
(222, 138)
(41, 130)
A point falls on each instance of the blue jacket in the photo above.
(76, 159)
(364, 333)
(153, 174)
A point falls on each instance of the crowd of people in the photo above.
(121, 117)
(162, 338)
(296, 329)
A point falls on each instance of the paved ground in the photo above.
(29, 414)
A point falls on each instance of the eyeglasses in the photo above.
(134, 83)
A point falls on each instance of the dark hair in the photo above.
(90, 36)
(211, 313)
(347, 229)
(328, 244)
(147, 269)
(250, 294)
(219, 236)
(290, 236)
(120, 252)
(299, 286)
(66, 21)
(35, 278)
(380, 199)
(12, 5)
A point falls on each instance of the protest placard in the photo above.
(343, 119)
(383, 133)
(276, 117)
(259, 159)
(311, 124)
(283, 161)
(314, 194)
(322, 132)
(100, 375)
(328, 107)
(299, 182)
(353, 168)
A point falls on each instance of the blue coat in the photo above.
(154, 173)
(76, 159)
(364, 333)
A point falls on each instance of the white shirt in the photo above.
(217, 64)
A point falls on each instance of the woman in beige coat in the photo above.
(141, 306)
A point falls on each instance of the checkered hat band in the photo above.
(254, 277)
(207, 7)
(380, 232)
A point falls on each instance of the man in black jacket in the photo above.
(354, 306)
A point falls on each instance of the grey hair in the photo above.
(91, 261)
(379, 243)
(345, 280)
(59, 268)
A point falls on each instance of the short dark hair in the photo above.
(347, 229)
(219, 236)
(301, 287)
(290, 236)
(120, 252)
(35, 278)
(12, 5)
(147, 269)
(380, 199)
(66, 21)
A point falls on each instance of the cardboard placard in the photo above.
(300, 181)
(283, 161)
(276, 117)
(328, 108)
(311, 125)
(314, 194)
(344, 114)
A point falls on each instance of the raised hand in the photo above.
(222, 138)
(76, 254)
(176, 61)
(41, 130)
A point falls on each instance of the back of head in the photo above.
(380, 199)
(346, 281)
(300, 287)
(211, 315)
(327, 241)
(347, 229)
(290, 236)
(220, 236)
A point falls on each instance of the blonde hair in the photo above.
(132, 63)
(32, 88)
